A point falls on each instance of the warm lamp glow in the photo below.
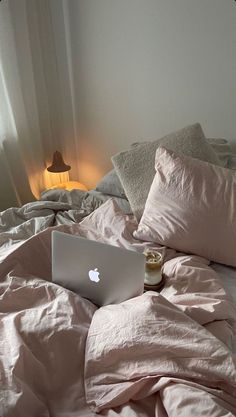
(70, 185)
(56, 176)
(90, 174)
(53, 179)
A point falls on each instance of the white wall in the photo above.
(143, 68)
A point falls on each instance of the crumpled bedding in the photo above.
(147, 345)
(56, 207)
(155, 355)
(84, 199)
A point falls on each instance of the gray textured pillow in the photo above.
(135, 167)
(220, 146)
(110, 184)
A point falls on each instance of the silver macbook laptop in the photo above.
(102, 273)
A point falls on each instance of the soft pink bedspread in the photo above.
(155, 355)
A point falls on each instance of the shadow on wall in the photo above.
(7, 192)
(13, 178)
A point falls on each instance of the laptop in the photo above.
(102, 273)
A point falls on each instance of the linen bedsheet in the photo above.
(156, 355)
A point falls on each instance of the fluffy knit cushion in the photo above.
(191, 207)
(135, 167)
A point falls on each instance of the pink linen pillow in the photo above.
(191, 207)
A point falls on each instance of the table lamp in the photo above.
(59, 166)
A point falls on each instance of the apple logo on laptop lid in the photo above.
(94, 275)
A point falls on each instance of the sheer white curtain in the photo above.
(36, 96)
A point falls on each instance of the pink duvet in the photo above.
(155, 355)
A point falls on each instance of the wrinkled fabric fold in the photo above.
(156, 355)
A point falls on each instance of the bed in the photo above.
(160, 354)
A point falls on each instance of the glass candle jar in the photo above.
(154, 263)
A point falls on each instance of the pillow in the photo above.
(135, 167)
(221, 147)
(110, 184)
(191, 207)
(223, 150)
(232, 162)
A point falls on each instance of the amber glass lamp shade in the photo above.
(58, 164)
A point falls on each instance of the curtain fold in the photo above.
(36, 106)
